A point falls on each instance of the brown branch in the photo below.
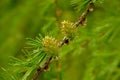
(64, 41)
(84, 14)
(42, 68)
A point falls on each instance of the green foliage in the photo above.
(81, 5)
(93, 54)
(5, 75)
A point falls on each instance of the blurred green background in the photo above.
(94, 55)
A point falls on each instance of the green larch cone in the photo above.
(68, 30)
(50, 45)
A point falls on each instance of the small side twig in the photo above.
(42, 68)
(64, 41)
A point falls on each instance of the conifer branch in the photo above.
(65, 40)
